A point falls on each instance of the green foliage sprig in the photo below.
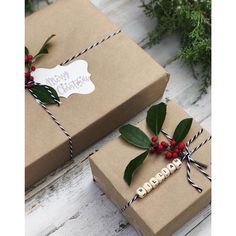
(155, 118)
(192, 20)
(46, 94)
(29, 6)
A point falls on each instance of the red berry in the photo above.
(181, 146)
(29, 57)
(33, 68)
(152, 149)
(159, 148)
(26, 58)
(27, 74)
(172, 143)
(154, 139)
(164, 144)
(31, 78)
(29, 86)
(169, 155)
(177, 150)
(175, 155)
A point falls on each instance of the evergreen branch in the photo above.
(191, 19)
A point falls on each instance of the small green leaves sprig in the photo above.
(155, 118)
(191, 20)
(44, 93)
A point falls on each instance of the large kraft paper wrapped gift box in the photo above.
(172, 203)
(125, 77)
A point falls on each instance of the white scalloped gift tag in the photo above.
(66, 80)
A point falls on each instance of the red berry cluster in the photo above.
(28, 58)
(29, 80)
(172, 149)
(158, 147)
(175, 149)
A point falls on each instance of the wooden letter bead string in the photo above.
(155, 181)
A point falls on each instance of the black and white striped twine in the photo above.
(56, 121)
(200, 145)
(51, 94)
(91, 47)
(194, 137)
(188, 163)
(129, 203)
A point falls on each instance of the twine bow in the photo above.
(188, 157)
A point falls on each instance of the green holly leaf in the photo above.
(26, 51)
(45, 94)
(135, 136)
(44, 49)
(155, 117)
(182, 130)
(133, 165)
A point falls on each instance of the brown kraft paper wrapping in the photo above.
(171, 204)
(125, 77)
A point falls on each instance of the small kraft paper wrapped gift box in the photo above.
(174, 201)
(125, 78)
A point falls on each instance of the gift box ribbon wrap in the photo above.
(124, 80)
(29, 85)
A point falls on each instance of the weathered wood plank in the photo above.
(193, 224)
(202, 229)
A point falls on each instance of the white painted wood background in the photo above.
(68, 202)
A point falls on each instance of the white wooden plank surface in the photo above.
(67, 202)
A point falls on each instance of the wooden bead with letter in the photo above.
(148, 187)
(141, 192)
(154, 182)
(160, 177)
(165, 172)
(177, 162)
(171, 167)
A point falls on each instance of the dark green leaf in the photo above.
(182, 130)
(29, 6)
(26, 51)
(155, 117)
(133, 165)
(43, 94)
(48, 39)
(44, 49)
(135, 136)
(41, 54)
